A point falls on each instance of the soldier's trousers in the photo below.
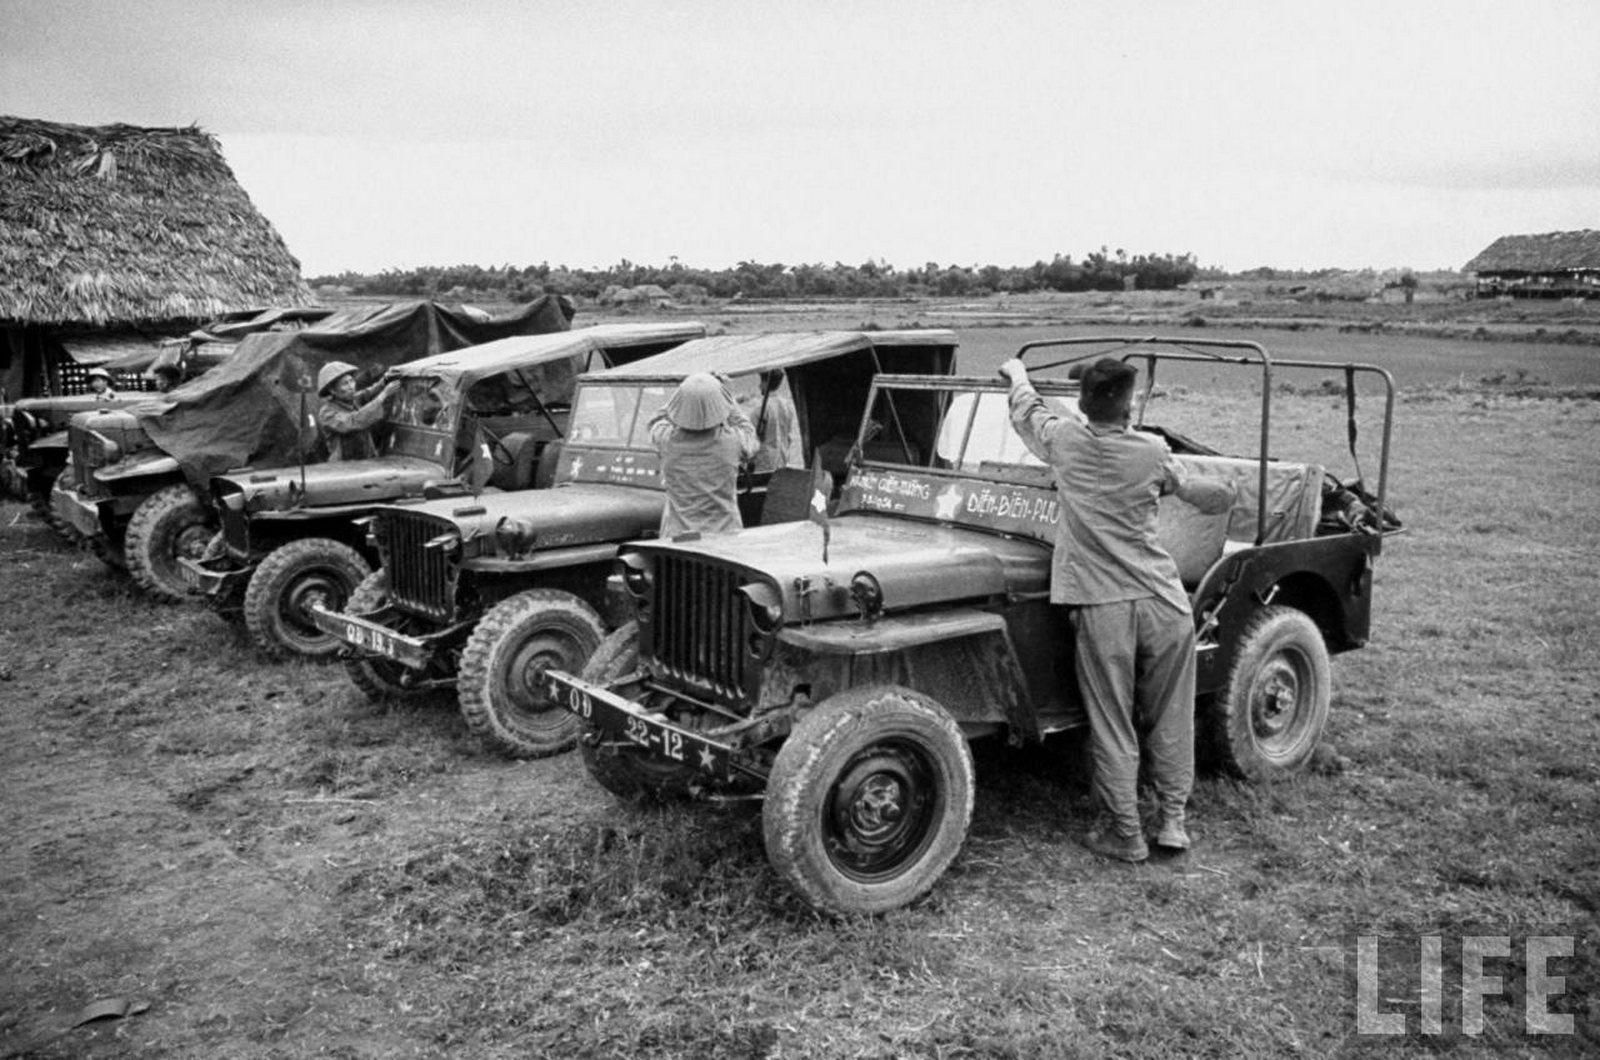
(1135, 665)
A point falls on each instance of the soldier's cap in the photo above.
(99, 373)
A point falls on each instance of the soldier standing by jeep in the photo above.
(703, 436)
(1132, 625)
(346, 414)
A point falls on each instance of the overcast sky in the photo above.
(393, 134)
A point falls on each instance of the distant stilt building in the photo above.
(1552, 265)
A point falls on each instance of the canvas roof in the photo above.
(250, 408)
(492, 358)
(121, 224)
(1547, 252)
(736, 355)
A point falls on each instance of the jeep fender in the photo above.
(964, 658)
(1328, 578)
(139, 465)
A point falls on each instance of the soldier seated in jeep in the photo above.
(842, 687)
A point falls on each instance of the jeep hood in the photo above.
(563, 515)
(914, 563)
(339, 482)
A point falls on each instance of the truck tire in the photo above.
(1269, 717)
(281, 592)
(501, 686)
(630, 773)
(869, 800)
(169, 523)
(379, 679)
(107, 550)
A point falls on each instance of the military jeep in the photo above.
(839, 675)
(139, 488)
(483, 593)
(485, 415)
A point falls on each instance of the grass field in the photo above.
(278, 869)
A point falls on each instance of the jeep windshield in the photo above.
(617, 415)
(974, 433)
(977, 473)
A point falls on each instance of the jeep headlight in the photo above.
(513, 537)
(636, 575)
(765, 605)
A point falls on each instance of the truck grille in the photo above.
(700, 628)
(86, 457)
(421, 580)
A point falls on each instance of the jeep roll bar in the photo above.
(1210, 351)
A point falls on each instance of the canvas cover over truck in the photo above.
(841, 682)
(140, 474)
(490, 416)
(482, 594)
(38, 426)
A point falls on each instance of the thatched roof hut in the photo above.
(123, 230)
(1552, 264)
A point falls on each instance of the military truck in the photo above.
(483, 593)
(38, 429)
(139, 488)
(483, 415)
(840, 677)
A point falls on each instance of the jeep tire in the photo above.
(288, 583)
(1269, 717)
(169, 523)
(869, 800)
(629, 772)
(501, 684)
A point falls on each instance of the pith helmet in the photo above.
(699, 402)
(331, 373)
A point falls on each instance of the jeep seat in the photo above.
(1197, 540)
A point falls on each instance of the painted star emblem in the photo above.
(946, 502)
(707, 759)
(819, 502)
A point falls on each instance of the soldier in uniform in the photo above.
(100, 385)
(346, 414)
(1132, 625)
(703, 436)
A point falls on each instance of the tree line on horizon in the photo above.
(1101, 270)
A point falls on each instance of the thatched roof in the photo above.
(119, 224)
(1550, 252)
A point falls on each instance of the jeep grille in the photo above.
(699, 627)
(421, 580)
(235, 527)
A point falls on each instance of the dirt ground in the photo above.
(259, 863)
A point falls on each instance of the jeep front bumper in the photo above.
(206, 578)
(364, 637)
(620, 718)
